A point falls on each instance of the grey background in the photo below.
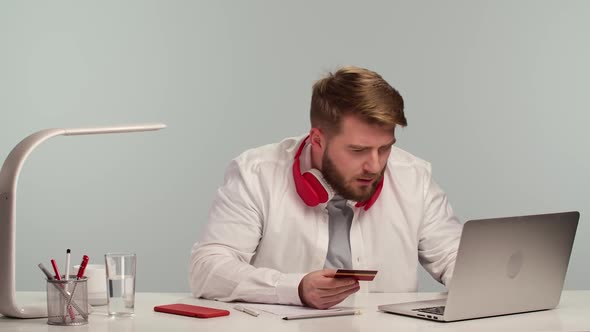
(496, 95)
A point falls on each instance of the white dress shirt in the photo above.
(261, 238)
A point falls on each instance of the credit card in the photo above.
(365, 275)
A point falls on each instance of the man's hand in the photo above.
(320, 290)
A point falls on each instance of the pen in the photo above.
(67, 276)
(324, 314)
(82, 267)
(57, 275)
(247, 310)
(45, 271)
(78, 277)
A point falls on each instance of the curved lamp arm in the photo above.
(8, 181)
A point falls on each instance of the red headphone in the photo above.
(313, 189)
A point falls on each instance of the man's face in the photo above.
(354, 160)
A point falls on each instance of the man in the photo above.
(289, 214)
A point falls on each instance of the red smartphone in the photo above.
(191, 310)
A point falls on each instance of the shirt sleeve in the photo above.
(220, 260)
(440, 232)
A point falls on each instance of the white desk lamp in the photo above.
(8, 181)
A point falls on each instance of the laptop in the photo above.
(504, 266)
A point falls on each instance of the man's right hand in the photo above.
(320, 290)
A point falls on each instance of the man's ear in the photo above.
(317, 138)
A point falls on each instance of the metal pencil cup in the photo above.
(67, 302)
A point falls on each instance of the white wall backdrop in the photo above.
(496, 95)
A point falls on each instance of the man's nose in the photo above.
(372, 163)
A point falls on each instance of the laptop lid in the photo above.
(508, 265)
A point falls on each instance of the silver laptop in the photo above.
(504, 266)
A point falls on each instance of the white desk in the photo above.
(573, 314)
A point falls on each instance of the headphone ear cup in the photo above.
(316, 186)
(310, 185)
(305, 190)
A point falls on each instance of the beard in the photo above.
(344, 187)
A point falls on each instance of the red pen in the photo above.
(57, 276)
(78, 277)
(82, 267)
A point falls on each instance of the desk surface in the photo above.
(573, 314)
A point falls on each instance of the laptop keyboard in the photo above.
(432, 310)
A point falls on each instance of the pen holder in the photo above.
(67, 302)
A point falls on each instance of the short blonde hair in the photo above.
(355, 91)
